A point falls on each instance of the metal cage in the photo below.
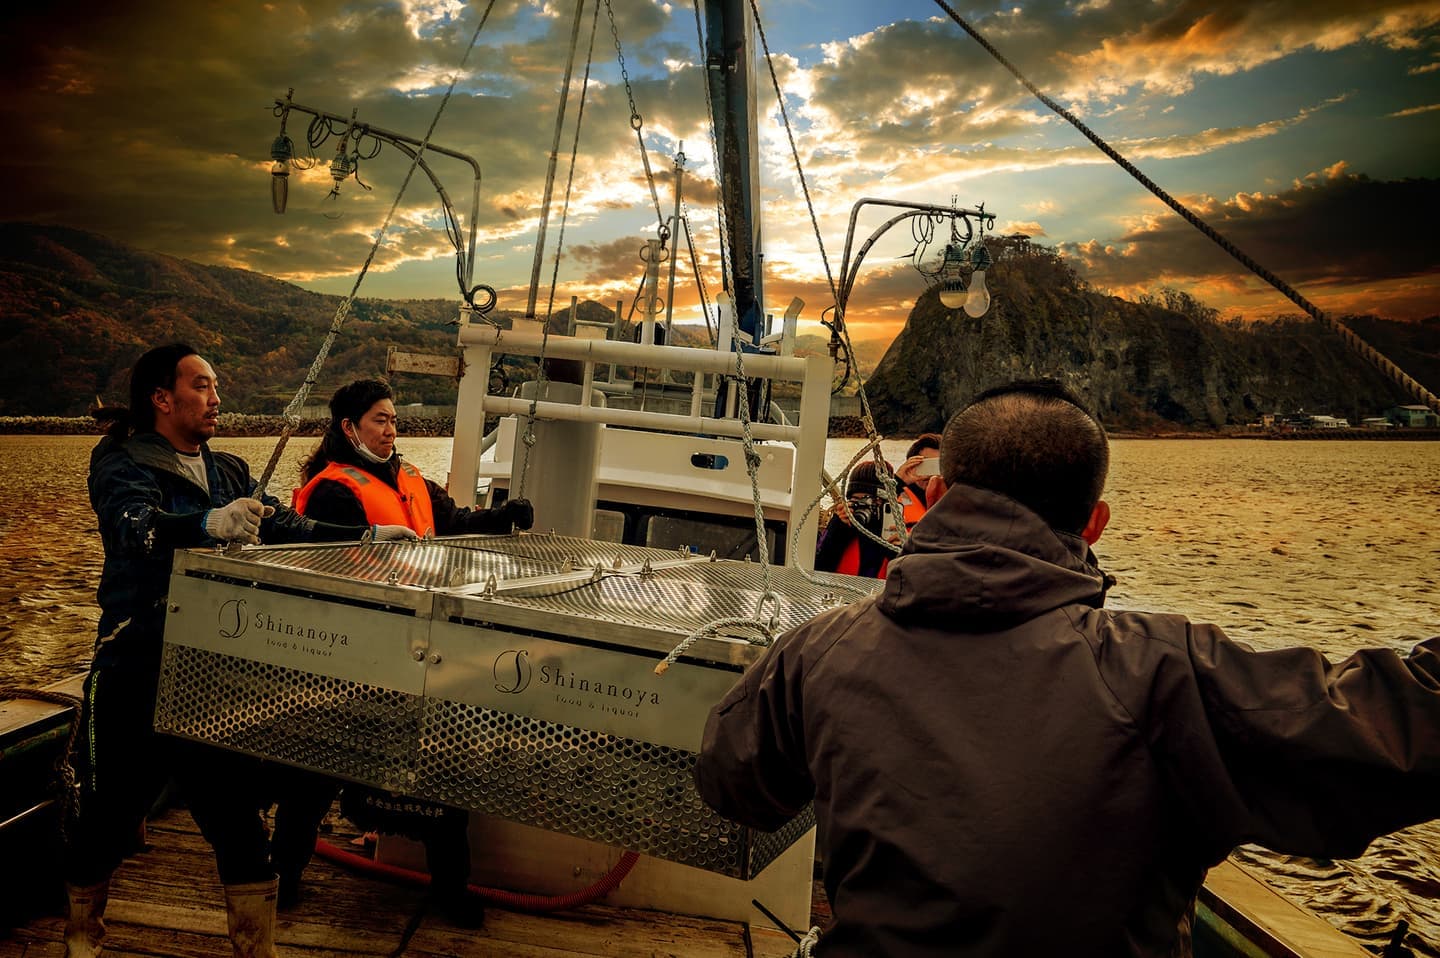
(509, 675)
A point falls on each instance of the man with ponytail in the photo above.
(156, 486)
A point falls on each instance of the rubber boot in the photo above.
(85, 919)
(250, 910)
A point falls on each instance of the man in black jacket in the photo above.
(1002, 767)
(156, 487)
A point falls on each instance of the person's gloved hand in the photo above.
(518, 512)
(237, 522)
(391, 533)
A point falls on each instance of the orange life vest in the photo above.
(850, 561)
(384, 506)
(914, 507)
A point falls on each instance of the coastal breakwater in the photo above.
(841, 427)
(231, 424)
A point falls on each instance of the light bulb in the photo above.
(978, 300)
(279, 185)
(952, 294)
(330, 204)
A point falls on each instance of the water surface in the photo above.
(1329, 544)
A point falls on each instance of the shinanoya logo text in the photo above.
(234, 620)
(557, 677)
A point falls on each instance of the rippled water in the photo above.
(1330, 544)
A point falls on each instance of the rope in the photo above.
(790, 134)
(550, 166)
(292, 411)
(65, 766)
(806, 948)
(528, 437)
(889, 493)
(699, 280)
(763, 628)
(570, 177)
(1392, 371)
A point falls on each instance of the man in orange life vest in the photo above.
(356, 472)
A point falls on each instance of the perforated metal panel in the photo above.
(505, 675)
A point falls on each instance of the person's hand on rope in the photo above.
(391, 533)
(518, 512)
(237, 522)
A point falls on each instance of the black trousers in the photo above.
(123, 766)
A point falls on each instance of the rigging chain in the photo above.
(292, 411)
(1394, 372)
(637, 123)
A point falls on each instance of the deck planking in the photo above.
(167, 903)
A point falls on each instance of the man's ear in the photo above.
(1099, 518)
(160, 399)
(934, 488)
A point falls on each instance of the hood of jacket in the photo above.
(986, 557)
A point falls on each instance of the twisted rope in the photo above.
(65, 765)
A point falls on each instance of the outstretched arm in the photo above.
(752, 766)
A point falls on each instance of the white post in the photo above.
(810, 456)
(469, 424)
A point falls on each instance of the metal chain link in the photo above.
(637, 123)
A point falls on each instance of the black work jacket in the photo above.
(1002, 767)
(148, 507)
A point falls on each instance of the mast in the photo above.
(730, 60)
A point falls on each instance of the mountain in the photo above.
(1162, 363)
(77, 309)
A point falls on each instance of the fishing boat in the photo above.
(556, 684)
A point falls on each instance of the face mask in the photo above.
(365, 452)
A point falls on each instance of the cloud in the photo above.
(151, 123)
(1308, 234)
(1167, 51)
(1415, 110)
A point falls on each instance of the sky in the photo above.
(1307, 132)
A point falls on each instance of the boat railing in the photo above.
(482, 341)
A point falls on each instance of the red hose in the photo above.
(515, 901)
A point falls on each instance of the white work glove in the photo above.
(237, 522)
(391, 533)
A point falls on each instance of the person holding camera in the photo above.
(917, 474)
(844, 549)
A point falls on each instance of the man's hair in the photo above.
(350, 402)
(1034, 442)
(152, 371)
(926, 440)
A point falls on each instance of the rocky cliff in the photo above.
(1159, 364)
